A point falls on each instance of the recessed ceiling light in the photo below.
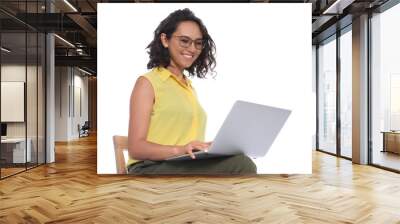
(70, 5)
(5, 49)
(64, 40)
(86, 72)
(337, 7)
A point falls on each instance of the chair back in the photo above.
(86, 125)
(120, 145)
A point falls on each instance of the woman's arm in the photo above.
(141, 104)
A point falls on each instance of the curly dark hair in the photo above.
(159, 56)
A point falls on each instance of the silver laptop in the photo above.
(248, 129)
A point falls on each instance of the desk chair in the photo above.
(84, 129)
(120, 145)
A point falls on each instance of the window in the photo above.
(346, 92)
(327, 96)
(385, 88)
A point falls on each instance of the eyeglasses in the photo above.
(186, 42)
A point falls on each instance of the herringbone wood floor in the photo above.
(70, 191)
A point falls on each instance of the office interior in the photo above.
(48, 92)
(355, 68)
(48, 81)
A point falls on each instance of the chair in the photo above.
(120, 145)
(84, 130)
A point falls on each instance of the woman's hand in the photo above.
(194, 146)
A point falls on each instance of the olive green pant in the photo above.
(228, 165)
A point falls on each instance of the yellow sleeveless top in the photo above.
(177, 117)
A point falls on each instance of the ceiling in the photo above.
(76, 22)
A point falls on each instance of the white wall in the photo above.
(15, 72)
(61, 103)
(82, 83)
(12, 73)
(68, 83)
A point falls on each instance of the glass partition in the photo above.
(13, 110)
(327, 96)
(22, 67)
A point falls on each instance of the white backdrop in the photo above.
(263, 56)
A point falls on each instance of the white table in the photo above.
(18, 145)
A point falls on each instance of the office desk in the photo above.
(391, 141)
(13, 150)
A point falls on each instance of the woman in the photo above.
(166, 119)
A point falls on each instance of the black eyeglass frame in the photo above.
(190, 41)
